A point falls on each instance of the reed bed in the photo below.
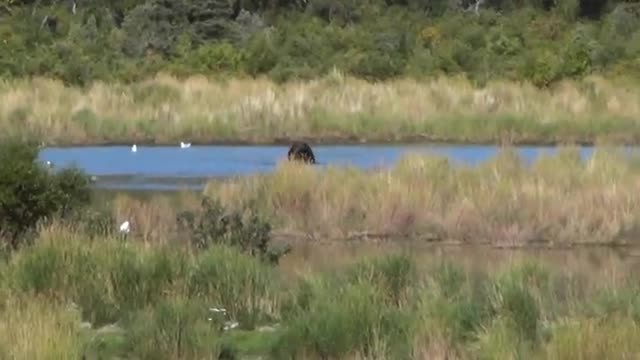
(69, 296)
(559, 200)
(335, 108)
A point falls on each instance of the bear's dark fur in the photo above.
(301, 151)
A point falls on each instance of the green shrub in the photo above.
(30, 193)
(342, 319)
(394, 275)
(108, 280)
(357, 310)
(215, 58)
(456, 305)
(173, 329)
(214, 224)
(94, 221)
(230, 279)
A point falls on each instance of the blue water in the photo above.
(167, 168)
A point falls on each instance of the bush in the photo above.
(241, 284)
(174, 328)
(214, 224)
(30, 193)
(335, 316)
(94, 221)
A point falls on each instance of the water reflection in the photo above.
(596, 263)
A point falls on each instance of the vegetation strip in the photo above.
(106, 298)
(540, 42)
(559, 200)
(335, 109)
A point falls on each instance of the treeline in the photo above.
(537, 40)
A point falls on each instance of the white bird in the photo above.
(228, 325)
(134, 148)
(124, 228)
(184, 145)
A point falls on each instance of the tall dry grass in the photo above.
(165, 109)
(558, 200)
(153, 220)
(39, 328)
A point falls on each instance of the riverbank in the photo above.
(333, 109)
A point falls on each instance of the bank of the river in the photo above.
(331, 110)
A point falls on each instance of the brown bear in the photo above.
(301, 151)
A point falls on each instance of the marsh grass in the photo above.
(558, 200)
(153, 220)
(164, 109)
(174, 328)
(612, 338)
(110, 279)
(39, 328)
(147, 301)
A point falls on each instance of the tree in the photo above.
(154, 25)
(210, 18)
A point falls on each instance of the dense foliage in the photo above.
(31, 192)
(537, 40)
(213, 224)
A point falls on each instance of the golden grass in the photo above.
(153, 221)
(596, 339)
(559, 200)
(167, 110)
(39, 328)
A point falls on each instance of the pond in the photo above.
(174, 168)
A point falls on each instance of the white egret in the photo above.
(124, 228)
